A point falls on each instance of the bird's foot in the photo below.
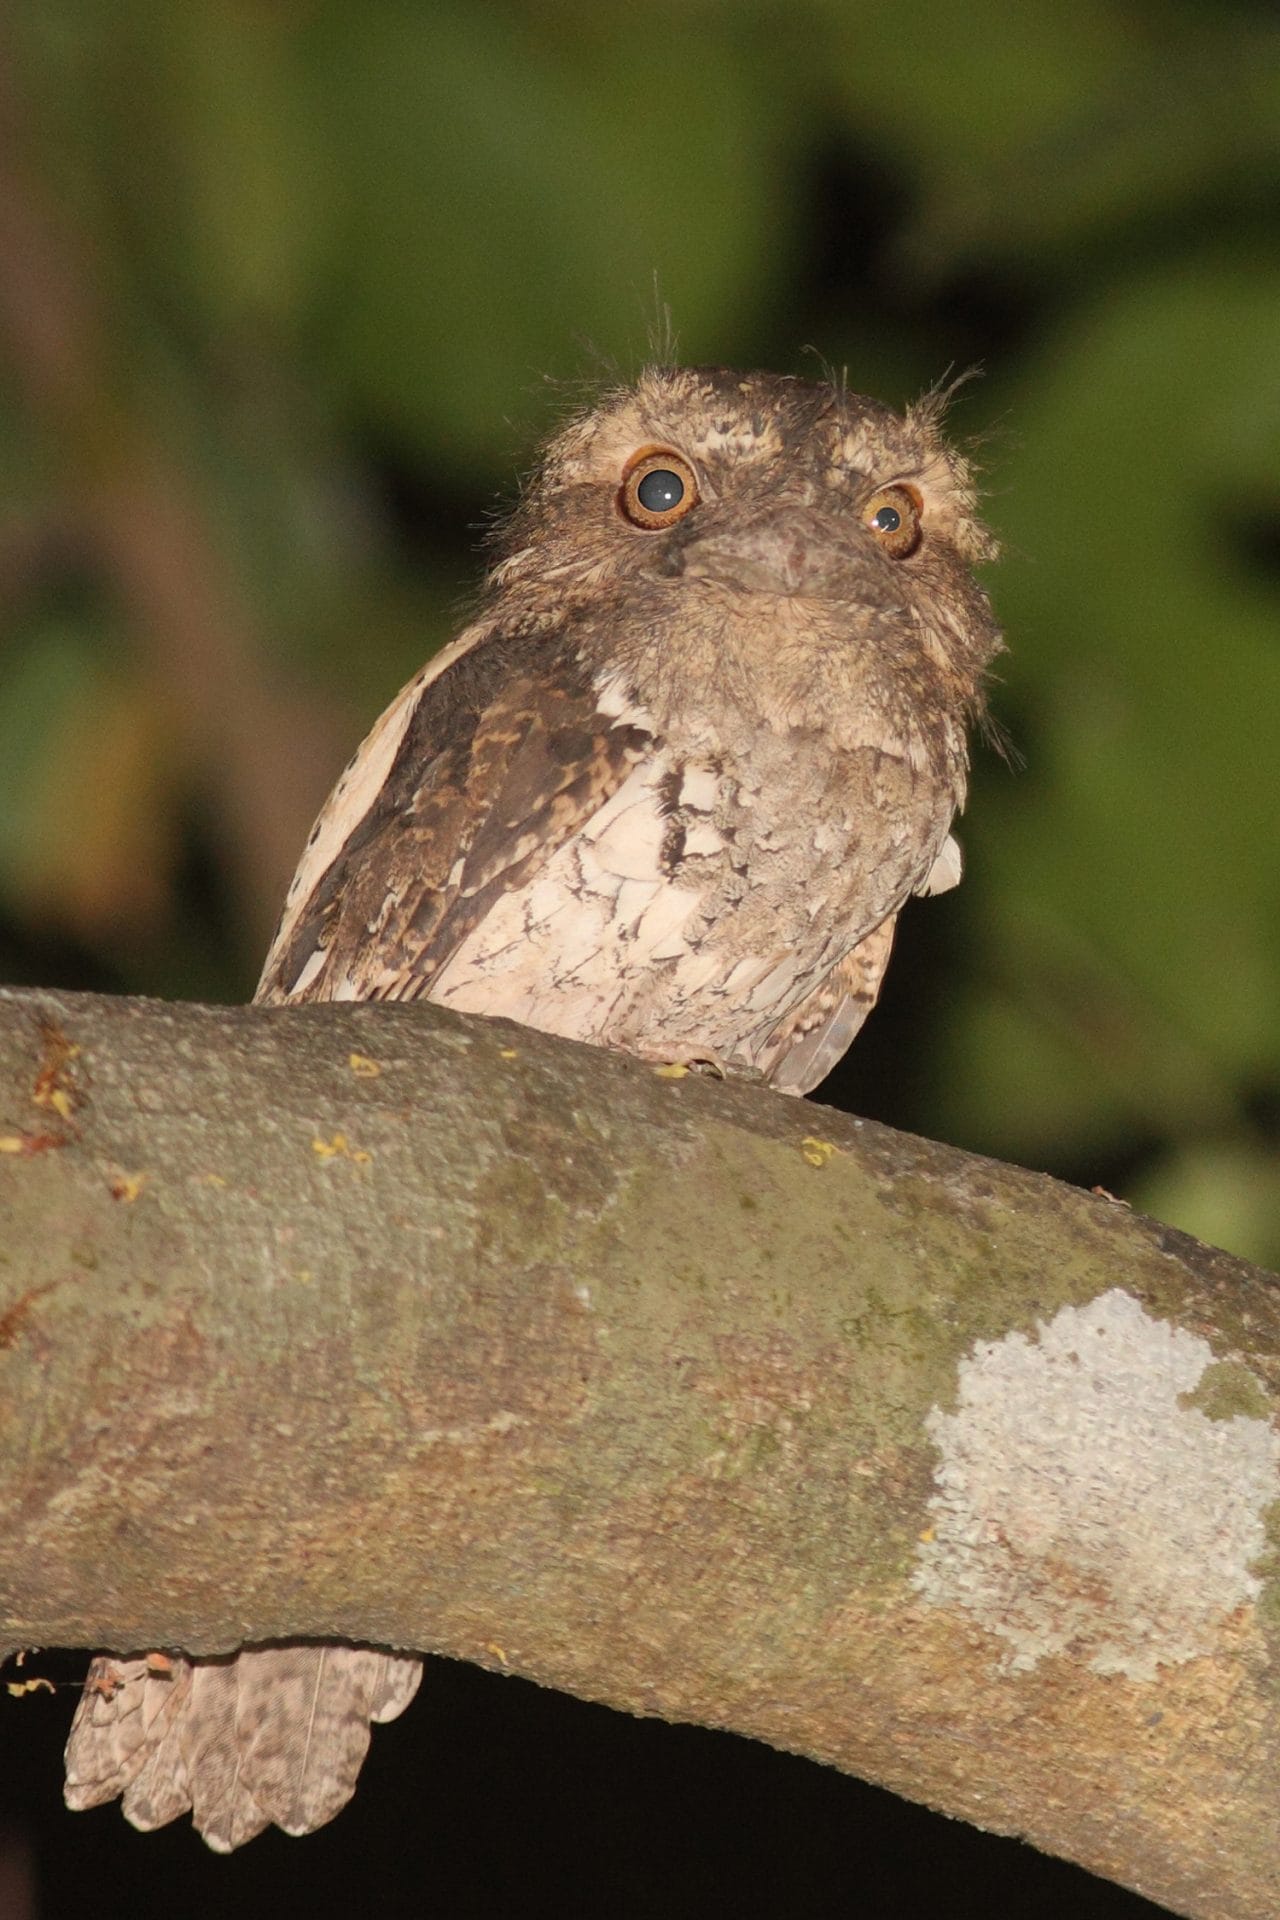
(673, 1063)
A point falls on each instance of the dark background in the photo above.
(289, 290)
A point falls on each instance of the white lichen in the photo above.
(1081, 1505)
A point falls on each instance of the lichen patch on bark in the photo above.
(1084, 1504)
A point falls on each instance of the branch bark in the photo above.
(380, 1323)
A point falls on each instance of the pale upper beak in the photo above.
(781, 554)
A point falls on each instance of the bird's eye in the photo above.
(893, 515)
(658, 488)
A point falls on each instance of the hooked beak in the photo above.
(780, 555)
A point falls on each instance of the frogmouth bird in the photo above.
(668, 792)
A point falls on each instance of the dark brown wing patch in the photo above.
(503, 760)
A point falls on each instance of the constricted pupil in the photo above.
(886, 520)
(660, 490)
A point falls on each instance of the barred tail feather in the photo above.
(271, 1734)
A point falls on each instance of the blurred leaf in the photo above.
(1130, 881)
(947, 92)
(197, 145)
(86, 840)
(1014, 1083)
(1224, 1191)
(511, 196)
(232, 117)
(1132, 129)
(41, 682)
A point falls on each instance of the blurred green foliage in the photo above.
(287, 276)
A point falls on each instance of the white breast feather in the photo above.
(557, 953)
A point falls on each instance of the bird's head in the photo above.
(763, 526)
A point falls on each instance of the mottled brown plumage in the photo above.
(668, 793)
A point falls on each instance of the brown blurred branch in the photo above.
(373, 1322)
(263, 757)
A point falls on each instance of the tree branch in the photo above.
(380, 1323)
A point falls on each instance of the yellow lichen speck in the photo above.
(340, 1148)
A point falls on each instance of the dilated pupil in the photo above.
(660, 490)
(886, 520)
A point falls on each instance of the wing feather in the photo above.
(820, 1031)
(495, 766)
